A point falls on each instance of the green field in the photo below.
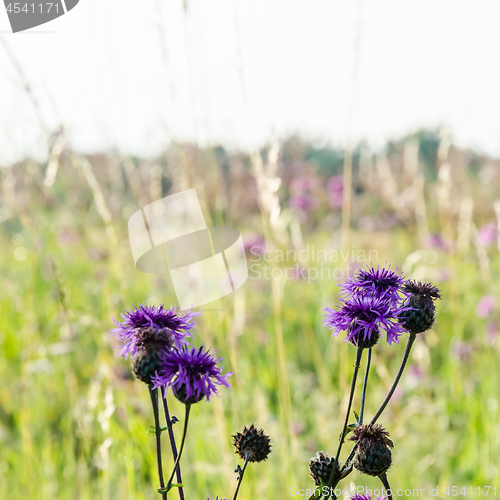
(73, 421)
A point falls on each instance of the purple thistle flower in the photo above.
(377, 281)
(363, 317)
(174, 326)
(191, 374)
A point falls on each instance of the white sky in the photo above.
(132, 75)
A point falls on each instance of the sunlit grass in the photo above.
(73, 422)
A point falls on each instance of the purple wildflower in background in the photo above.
(304, 202)
(378, 281)
(303, 191)
(485, 306)
(437, 242)
(191, 374)
(365, 497)
(335, 190)
(174, 326)
(364, 317)
(254, 243)
(492, 332)
(488, 234)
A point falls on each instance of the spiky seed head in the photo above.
(373, 452)
(255, 443)
(320, 467)
(420, 298)
(150, 343)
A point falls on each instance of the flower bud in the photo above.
(373, 453)
(422, 313)
(320, 468)
(150, 343)
(255, 443)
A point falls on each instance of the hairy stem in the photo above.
(154, 400)
(172, 441)
(365, 383)
(240, 479)
(411, 339)
(184, 433)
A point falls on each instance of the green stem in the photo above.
(172, 441)
(385, 482)
(184, 432)
(349, 458)
(362, 411)
(154, 400)
(247, 456)
(365, 384)
(411, 339)
(359, 353)
(406, 355)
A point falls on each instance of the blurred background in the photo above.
(366, 130)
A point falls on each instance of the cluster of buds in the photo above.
(374, 303)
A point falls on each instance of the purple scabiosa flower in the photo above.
(161, 323)
(364, 318)
(191, 374)
(381, 282)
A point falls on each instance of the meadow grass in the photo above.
(73, 420)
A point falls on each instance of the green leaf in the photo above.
(168, 488)
(348, 430)
(356, 415)
(153, 430)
